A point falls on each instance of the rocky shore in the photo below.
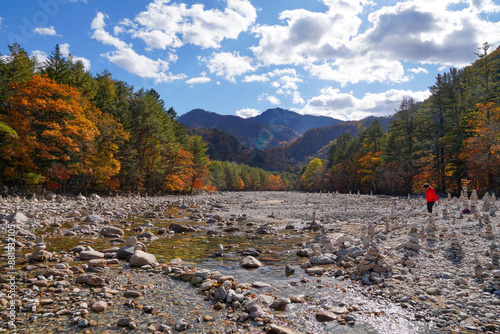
(256, 262)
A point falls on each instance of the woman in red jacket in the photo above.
(431, 196)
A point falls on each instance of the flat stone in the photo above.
(89, 255)
(325, 316)
(131, 294)
(275, 329)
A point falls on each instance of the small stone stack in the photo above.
(40, 254)
(372, 268)
(486, 203)
(488, 227)
(455, 252)
(431, 231)
(495, 256)
(478, 269)
(473, 197)
(464, 197)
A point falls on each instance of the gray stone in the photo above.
(125, 253)
(89, 255)
(250, 262)
(141, 258)
(112, 232)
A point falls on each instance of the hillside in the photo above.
(297, 122)
(250, 133)
(312, 142)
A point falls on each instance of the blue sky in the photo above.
(346, 59)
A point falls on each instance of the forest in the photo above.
(451, 141)
(66, 130)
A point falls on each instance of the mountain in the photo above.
(249, 132)
(312, 143)
(297, 122)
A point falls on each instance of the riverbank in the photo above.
(325, 263)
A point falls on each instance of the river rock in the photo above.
(131, 294)
(99, 306)
(325, 316)
(275, 329)
(98, 263)
(141, 258)
(250, 252)
(17, 217)
(250, 262)
(89, 255)
(57, 272)
(112, 232)
(279, 304)
(125, 253)
(177, 228)
(40, 255)
(96, 219)
(91, 279)
(320, 260)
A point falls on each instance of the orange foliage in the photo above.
(275, 182)
(179, 171)
(53, 123)
(482, 151)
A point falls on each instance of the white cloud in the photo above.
(40, 57)
(65, 51)
(270, 98)
(247, 112)
(50, 31)
(337, 45)
(309, 36)
(331, 102)
(256, 78)
(418, 70)
(164, 24)
(229, 65)
(125, 57)
(198, 80)
(428, 31)
(369, 68)
(297, 98)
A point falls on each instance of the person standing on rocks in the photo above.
(431, 197)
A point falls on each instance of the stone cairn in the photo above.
(488, 228)
(411, 247)
(454, 253)
(495, 256)
(40, 254)
(372, 268)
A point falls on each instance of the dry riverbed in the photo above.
(254, 262)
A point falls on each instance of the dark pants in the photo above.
(429, 206)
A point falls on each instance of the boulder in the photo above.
(112, 232)
(125, 253)
(178, 228)
(250, 262)
(141, 258)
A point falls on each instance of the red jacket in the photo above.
(431, 195)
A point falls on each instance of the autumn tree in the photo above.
(198, 148)
(310, 180)
(482, 150)
(54, 125)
